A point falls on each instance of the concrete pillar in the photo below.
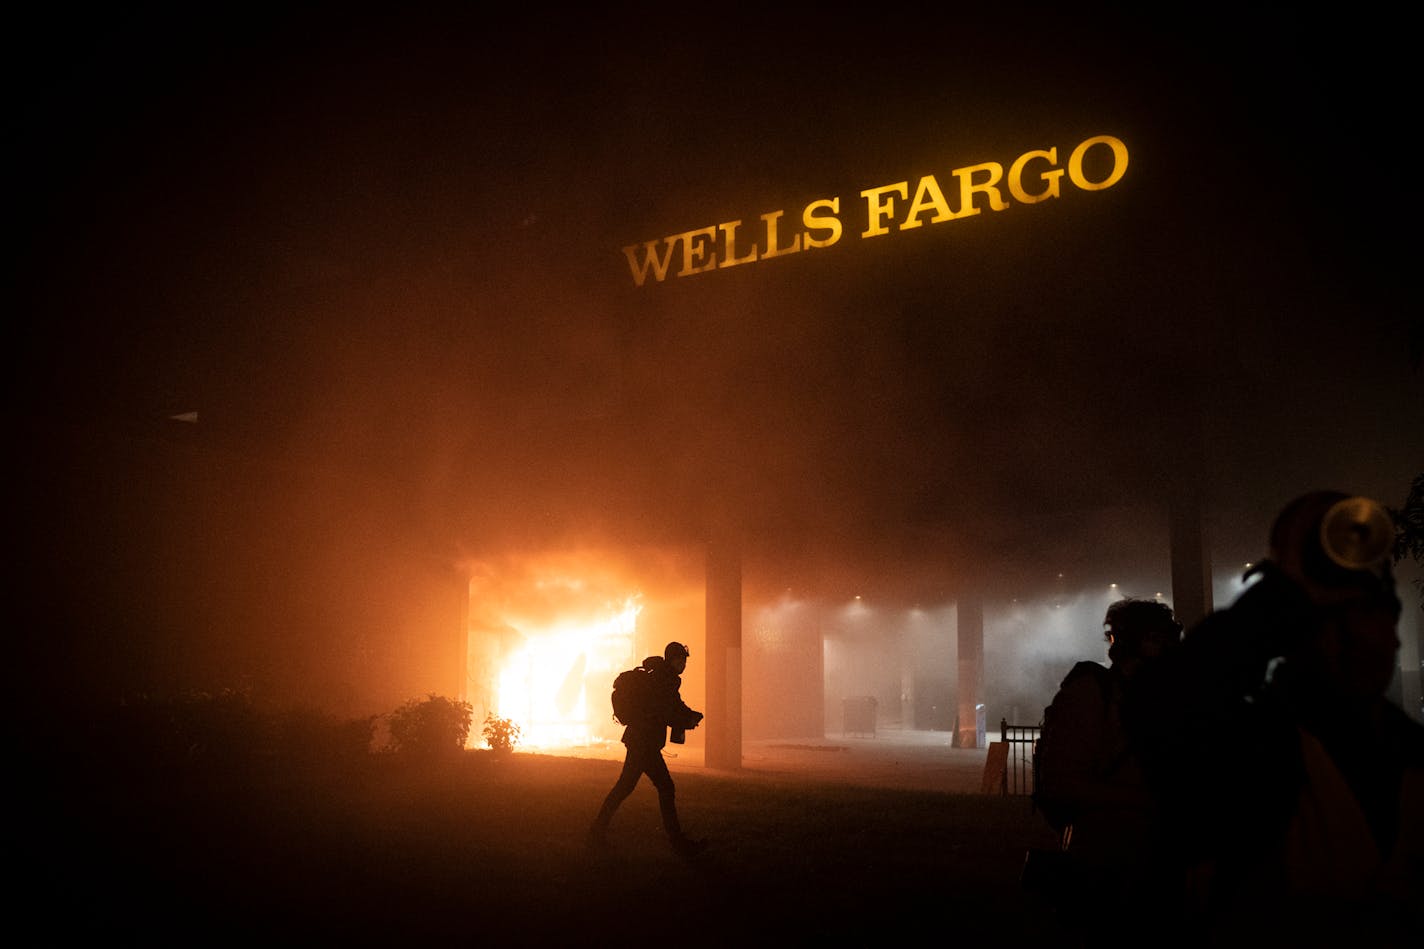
(462, 639)
(1191, 563)
(907, 695)
(819, 659)
(970, 609)
(1186, 513)
(724, 652)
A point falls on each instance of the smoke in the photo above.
(1030, 645)
(384, 267)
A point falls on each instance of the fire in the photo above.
(549, 685)
(549, 631)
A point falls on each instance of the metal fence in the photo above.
(1019, 776)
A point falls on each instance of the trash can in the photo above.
(858, 715)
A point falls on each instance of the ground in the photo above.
(486, 847)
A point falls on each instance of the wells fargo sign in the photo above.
(1030, 178)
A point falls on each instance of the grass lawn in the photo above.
(490, 850)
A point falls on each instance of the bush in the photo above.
(222, 724)
(310, 735)
(501, 734)
(190, 726)
(434, 725)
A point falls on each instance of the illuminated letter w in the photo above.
(650, 261)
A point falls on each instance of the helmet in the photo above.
(676, 650)
(1335, 546)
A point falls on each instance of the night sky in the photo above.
(381, 257)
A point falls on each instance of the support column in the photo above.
(1185, 498)
(462, 640)
(1191, 558)
(907, 696)
(1191, 566)
(724, 651)
(970, 616)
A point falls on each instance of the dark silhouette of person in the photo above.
(1291, 789)
(645, 738)
(1090, 780)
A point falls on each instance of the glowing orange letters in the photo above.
(1032, 177)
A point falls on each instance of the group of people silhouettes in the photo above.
(1248, 781)
(1244, 781)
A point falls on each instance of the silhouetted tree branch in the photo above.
(1409, 528)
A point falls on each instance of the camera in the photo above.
(677, 734)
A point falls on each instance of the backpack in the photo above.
(1057, 812)
(632, 690)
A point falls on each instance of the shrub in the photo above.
(501, 734)
(146, 735)
(306, 734)
(223, 724)
(434, 725)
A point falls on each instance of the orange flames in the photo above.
(549, 632)
(549, 684)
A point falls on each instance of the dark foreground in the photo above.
(489, 850)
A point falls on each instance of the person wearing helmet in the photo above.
(645, 736)
(1293, 789)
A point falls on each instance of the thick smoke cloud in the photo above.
(381, 258)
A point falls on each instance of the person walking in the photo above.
(645, 735)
